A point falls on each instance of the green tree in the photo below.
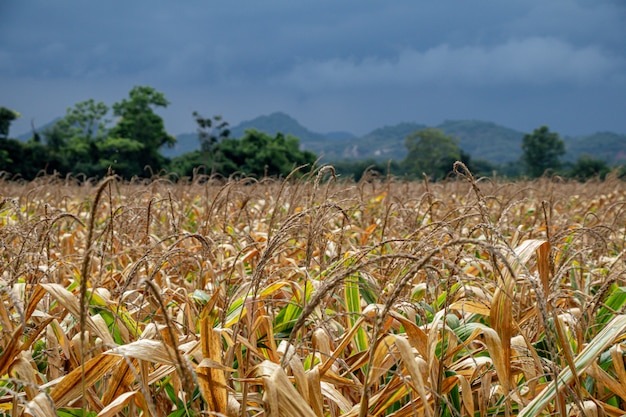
(73, 140)
(587, 167)
(432, 152)
(210, 132)
(7, 159)
(133, 143)
(184, 165)
(6, 118)
(542, 151)
(355, 169)
(259, 154)
(11, 155)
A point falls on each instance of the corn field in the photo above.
(313, 296)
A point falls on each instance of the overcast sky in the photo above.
(334, 65)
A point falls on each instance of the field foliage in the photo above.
(312, 297)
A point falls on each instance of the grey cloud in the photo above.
(325, 62)
(574, 21)
(527, 61)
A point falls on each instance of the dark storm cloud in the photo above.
(333, 65)
(528, 61)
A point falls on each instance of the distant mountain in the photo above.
(482, 140)
(485, 140)
(272, 124)
(277, 123)
(24, 137)
(608, 146)
(338, 135)
(185, 142)
(381, 144)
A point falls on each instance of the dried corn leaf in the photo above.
(25, 372)
(151, 351)
(40, 406)
(212, 380)
(297, 369)
(467, 306)
(34, 299)
(282, 394)
(316, 399)
(72, 304)
(617, 354)
(607, 380)
(409, 360)
(71, 385)
(416, 336)
(335, 396)
(12, 350)
(347, 338)
(119, 383)
(117, 404)
(467, 395)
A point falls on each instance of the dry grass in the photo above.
(312, 297)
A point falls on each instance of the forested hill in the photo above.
(278, 123)
(484, 140)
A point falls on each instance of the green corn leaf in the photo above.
(589, 354)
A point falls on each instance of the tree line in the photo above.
(93, 140)
(432, 153)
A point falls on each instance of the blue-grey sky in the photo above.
(334, 65)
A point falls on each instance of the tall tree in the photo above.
(85, 126)
(6, 118)
(7, 150)
(138, 133)
(73, 141)
(542, 151)
(432, 152)
(210, 132)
